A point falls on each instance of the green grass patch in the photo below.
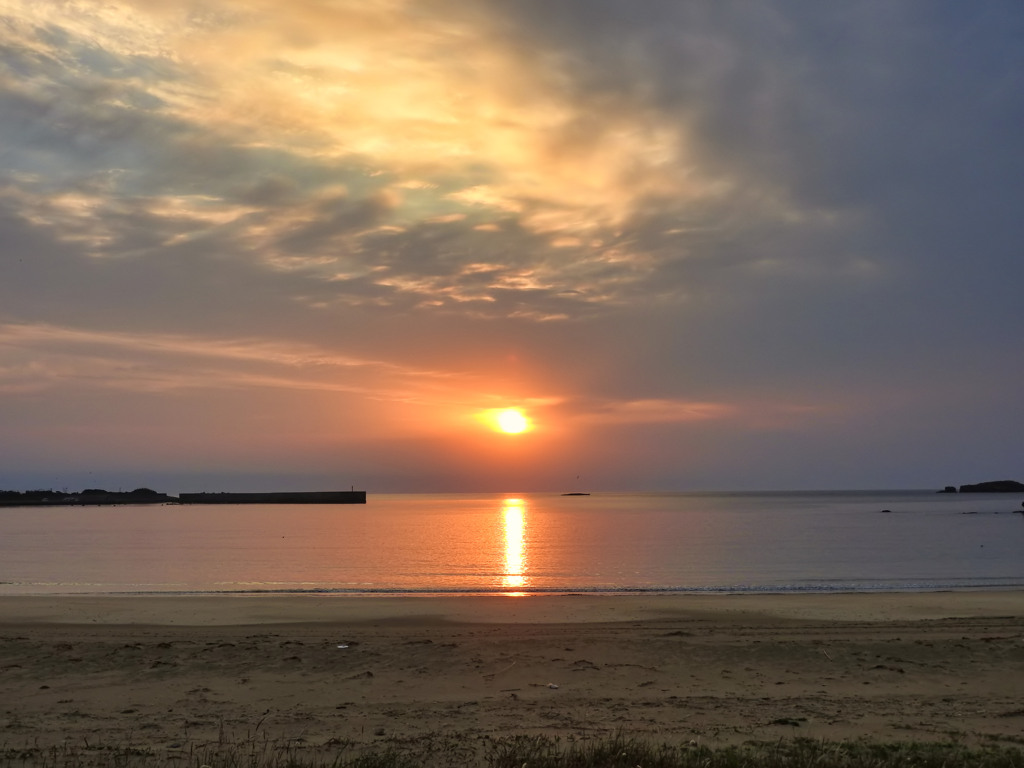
(523, 752)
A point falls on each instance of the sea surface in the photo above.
(524, 544)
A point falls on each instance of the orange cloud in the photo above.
(405, 89)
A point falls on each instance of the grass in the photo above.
(524, 752)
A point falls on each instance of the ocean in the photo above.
(524, 544)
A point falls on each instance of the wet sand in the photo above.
(163, 671)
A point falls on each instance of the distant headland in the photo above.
(98, 497)
(992, 486)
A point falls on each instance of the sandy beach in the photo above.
(165, 671)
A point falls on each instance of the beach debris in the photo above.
(552, 686)
(491, 675)
(342, 645)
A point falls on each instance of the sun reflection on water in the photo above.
(514, 517)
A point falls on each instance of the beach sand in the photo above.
(164, 672)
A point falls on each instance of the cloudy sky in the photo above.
(714, 244)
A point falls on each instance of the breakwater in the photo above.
(285, 497)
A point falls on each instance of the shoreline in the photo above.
(572, 608)
(158, 673)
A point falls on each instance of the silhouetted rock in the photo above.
(994, 486)
(948, 489)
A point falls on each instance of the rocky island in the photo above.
(994, 486)
(991, 486)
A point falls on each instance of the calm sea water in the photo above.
(530, 543)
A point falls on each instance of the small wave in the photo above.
(799, 588)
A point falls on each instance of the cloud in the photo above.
(664, 217)
(149, 361)
(326, 99)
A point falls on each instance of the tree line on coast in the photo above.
(99, 496)
(50, 497)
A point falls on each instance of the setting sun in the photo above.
(511, 421)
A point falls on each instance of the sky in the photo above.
(702, 245)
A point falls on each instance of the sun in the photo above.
(511, 421)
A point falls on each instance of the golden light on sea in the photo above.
(514, 518)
